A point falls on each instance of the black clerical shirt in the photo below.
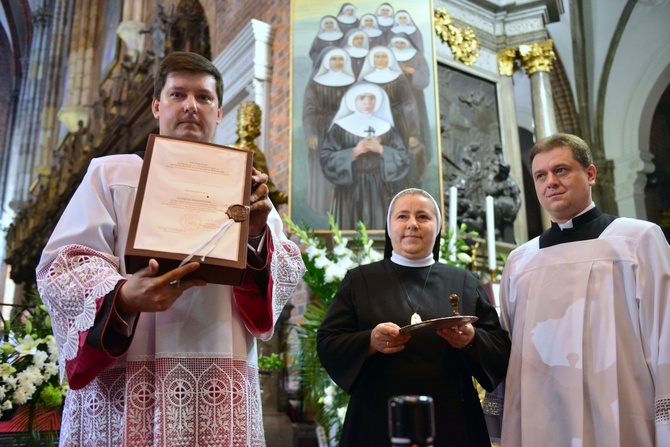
(586, 226)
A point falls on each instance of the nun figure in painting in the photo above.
(385, 19)
(414, 65)
(365, 158)
(329, 34)
(323, 96)
(357, 45)
(371, 27)
(346, 18)
(405, 24)
(381, 68)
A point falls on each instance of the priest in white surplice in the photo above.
(587, 307)
(158, 360)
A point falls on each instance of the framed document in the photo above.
(192, 204)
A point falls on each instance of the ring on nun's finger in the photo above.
(387, 343)
(174, 283)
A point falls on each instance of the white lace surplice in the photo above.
(190, 375)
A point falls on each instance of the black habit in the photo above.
(375, 293)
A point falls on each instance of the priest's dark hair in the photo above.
(580, 150)
(388, 247)
(186, 61)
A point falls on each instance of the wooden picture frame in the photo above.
(192, 202)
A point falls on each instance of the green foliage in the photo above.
(270, 363)
(29, 367)
(460, 254)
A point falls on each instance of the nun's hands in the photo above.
(387, 339)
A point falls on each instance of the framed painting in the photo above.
(110, 42)
(364, 113)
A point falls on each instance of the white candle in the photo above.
(490, 233)
(453, 213)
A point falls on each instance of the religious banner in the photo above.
(364, 113)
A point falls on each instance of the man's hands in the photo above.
(144, 292)
(260, 204)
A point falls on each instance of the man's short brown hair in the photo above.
(186, 61)
(580, 150)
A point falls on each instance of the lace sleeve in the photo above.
(287, 269)
(71, 286)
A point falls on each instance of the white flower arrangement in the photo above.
(29, 365)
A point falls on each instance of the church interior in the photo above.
(499, 75)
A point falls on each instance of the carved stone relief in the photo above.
(472, 155)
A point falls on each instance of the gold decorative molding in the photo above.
(537, 57)
(507, 61)
(463, 42)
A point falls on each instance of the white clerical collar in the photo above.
(356, 52)
(382, 76)
(407, 29)
(335, 79)
(401, 260)
(330, 36)
(404, 55)
(569, 223)
(360, 124)
(347, 20)
(372, 32)
(385, 20)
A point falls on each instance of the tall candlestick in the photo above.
(453, 225)
(490, 233)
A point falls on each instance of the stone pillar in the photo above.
(26, 133)
(130, 27)
(537, 60)
(510, 134)
(89, 78)
(81, 67)
(73, 112)
(53, 86)
(263, 37)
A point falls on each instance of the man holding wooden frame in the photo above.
(161, 358)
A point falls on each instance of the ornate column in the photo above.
(53, 85)
(89, 56)
(130, 27)
(73, 112)
(26, 133)
(537, 60)
(80, 67)
(246, 68)
(510, 133)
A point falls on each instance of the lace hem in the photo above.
(662, 410)
(169, 402)
(70, 286)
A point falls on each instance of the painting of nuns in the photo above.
(349, 156)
